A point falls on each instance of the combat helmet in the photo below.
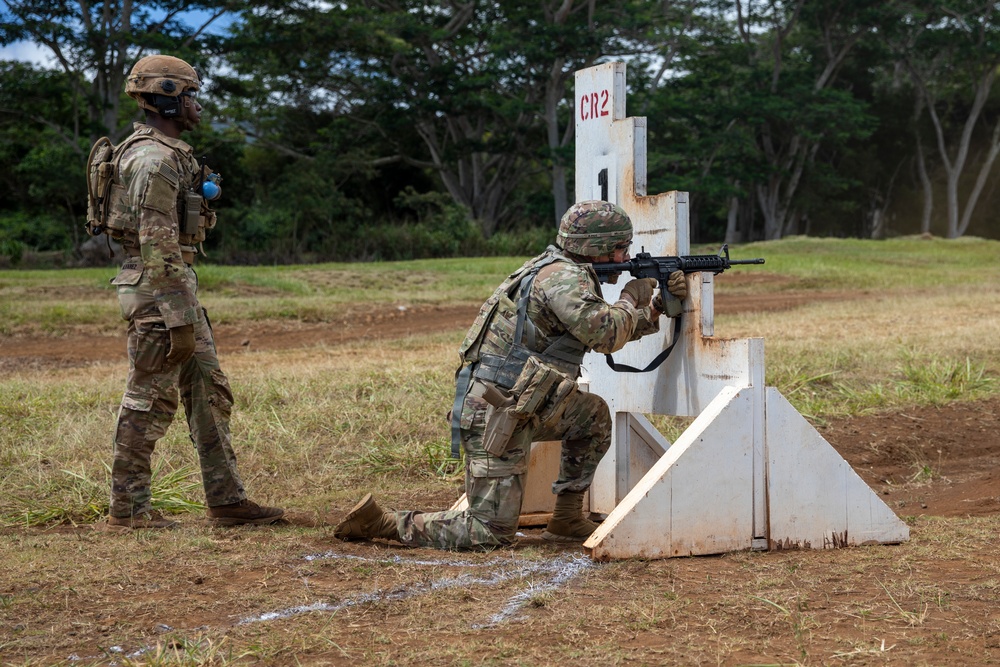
(156, 77)
(594, 228)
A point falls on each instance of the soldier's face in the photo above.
(190, 109)
(617, 255)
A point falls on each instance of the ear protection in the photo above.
(166, 106)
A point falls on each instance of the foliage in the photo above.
(393, 130)
(20, 231)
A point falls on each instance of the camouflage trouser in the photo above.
(494, 484)
(151, 399)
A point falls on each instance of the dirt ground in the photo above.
(938, 462)
(390, 322)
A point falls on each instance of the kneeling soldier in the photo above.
(517, 384)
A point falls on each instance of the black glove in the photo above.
(640, 291)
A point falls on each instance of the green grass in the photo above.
(855, 264)
(55, 302)
(915, 380)
(317, 423)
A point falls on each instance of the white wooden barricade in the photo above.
(749, 472)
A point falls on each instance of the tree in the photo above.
(951, 51)
(795, 51)
(484, 85)
(753, 102)
(98, 42)
(43, 178)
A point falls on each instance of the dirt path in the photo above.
(384, 324)
(940, 461)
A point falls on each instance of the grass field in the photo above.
(903, 324)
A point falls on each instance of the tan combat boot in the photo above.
(367, 520)
(151, 520)
(568, 523)
(243, 512)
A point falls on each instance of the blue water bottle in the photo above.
(210, 189)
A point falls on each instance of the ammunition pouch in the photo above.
(542, 391)
(192, 213)
(540, 394)
(503, 371)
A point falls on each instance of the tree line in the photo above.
(390, 129)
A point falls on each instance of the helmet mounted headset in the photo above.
(158, 82)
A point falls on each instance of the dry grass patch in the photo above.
(316, 428)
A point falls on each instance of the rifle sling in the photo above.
(655, 363)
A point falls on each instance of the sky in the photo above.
(38, 55)
(27, 52)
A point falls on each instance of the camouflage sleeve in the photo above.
(645, 326)
(153, 194)
(572, 294)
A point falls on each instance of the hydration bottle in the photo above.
(211, 189)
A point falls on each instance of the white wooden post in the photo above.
(749, 472)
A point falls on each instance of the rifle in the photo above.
(644, 265)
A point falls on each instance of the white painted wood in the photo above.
(639, 446)
(696, 499)
(543, 469)
(817, 501)
(698, 369)
(749, 472)
(600, 100)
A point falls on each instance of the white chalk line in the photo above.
(561, 570)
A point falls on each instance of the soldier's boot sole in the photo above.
(127, 525)
(356, 524)
(244, 513)
(232, 521)
(576, 532)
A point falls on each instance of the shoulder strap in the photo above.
(655, 363)
(509, 287)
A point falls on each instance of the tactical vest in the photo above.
(500, 342)
(108, 209)
(503, 337)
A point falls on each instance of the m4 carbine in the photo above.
(644, 265)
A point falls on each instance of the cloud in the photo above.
(28, 52)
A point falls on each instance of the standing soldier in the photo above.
(149, 194)
(517, 384)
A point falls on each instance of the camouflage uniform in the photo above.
(157, 291)
(565, 298)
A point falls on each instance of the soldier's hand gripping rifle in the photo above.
(644, 265)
